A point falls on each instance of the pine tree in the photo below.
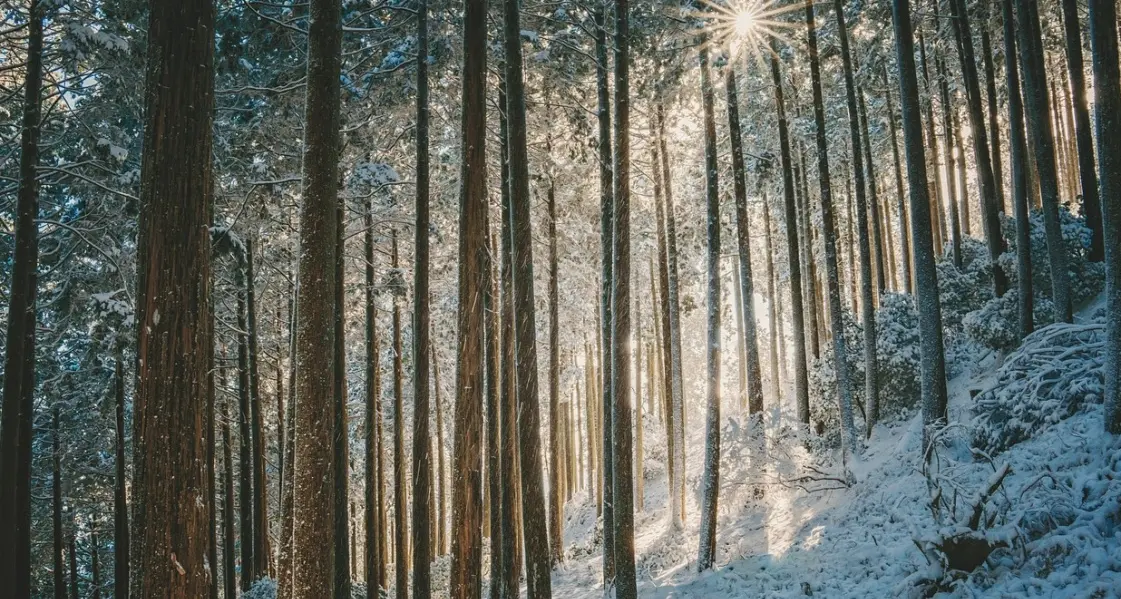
(313, 541)
(175, 337)
(1018, 148)
(1088, 177)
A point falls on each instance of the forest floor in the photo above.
(785, 529)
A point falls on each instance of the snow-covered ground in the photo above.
(780, 535)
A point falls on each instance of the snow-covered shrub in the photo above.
(264, 588)
(1086, 279)
(1056, 370)
(963, 290)
(996, 325)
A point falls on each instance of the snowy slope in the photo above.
(776, 538)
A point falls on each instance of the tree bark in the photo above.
(992, 105)
(313, 541)
(932, 358)
(711, 483)
(908, 281)
(16, 426)
(467, 511)
(229, 559)
(556, 497)
(374, 559)
(245, 451)
(261, 551)
(340, 434)
(1019, 158)
(120, 486)
(1088, 177)
(400, 489)
(59, 583)
(951, 163)
(1037, 109)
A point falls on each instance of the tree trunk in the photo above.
(245, 451)
(95, 568)
(877, 232)
(556, 497)
(908, 282)
(229, 559)
(374, 530)
(474, 280)
(534, 519)
(56, 508)
(1037, 108)
(992, 106)
(120, 486)
(400, 490)
(211, 458)
(951, 163)
(746, 305)
(1091, 205)
(711, 483)
(829, 232)
(990, 201)
(933, 363)
(313, 541)
(261, 551)
(440, 516)
(492, 324)
(934, 163)
(73, 553)
(1019, 158)
(16, 426)
(287, 499)
(1107, 83)
(621, 393)
(772, 308)
(340, 434)
(173, 317)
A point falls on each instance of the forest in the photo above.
(314, 299)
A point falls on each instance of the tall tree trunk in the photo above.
(908, 281)
(711, 483)
(990, 201)
(664, 309)
(245, 451)
(607, 218)
(1107, 112)
(229, 559)
(1019, 159)
(260, 498)
(287, 499)
(400, 490)
(340, 434)
(992, 106)
(175, 337)
(801, 375)
(951, 163)
(772, 307)
(95, 568)
(675, 364)
(556, 497)
(492, 324)
(1037, 108)
(59, 583)
(534, 519)
(73, 554)
(440, 514)
(877, 232)
(474, 280)
(120, 486)
(828, 230)
(932, 358)
(16, 426)
(211, 474)
(374, 530)
(621, 392)
(746, 290)
(313, 540)
(934, 163)
(1091, 205)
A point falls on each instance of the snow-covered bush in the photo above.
(1056, 370)
(965, 289)
(1086, 279)
(996, 324)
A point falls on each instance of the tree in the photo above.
(175, 337)
(622, 487)
(56, 508)
(1018, 150)
(867, 301)
(907, 282)
(932, 357)
(422, 458)
(120, 486)
(16, 430)
(314, 513)
(534, 519)
(466, 574)
(830, 237)
(261, 551)
(400, 488)
(373, 474)
(556, 492)
(711, 484)
(340, 434)
(1037, 108)
(1088, 177)
(1107, 112)
(743, 229)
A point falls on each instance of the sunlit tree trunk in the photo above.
(908, 282)
(374, 530)
(173, 316)
(993, 108)
(229, 559)
(711, 483)
(932, 358)
(1019, 159)
(951, 163)
(934, 163)
(340, 436)
(830, 237)
(1091, 205)
(556, 494)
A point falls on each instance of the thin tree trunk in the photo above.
(746, 305)
(374, 530)
(400, 490)
(493, 326)
(421, 458)
(934, 163)
(1037, 108)
(95, 568)
(73, 554)
(340, 435)
(901, 206)
(1019, 158)
(556, 497)
(772, 307)
(1088, 177)
(828, 230)
(59, 583)
(245, 452)
(229, 559)
(992, 106)
(951, 163)
(933, 364)
(440, 516)
(120, 485)
(877, 232)
(211, 474)
(711, 483)
(260, 498)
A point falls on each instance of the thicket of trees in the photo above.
(254, 215)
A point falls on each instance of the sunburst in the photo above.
(747, 26)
